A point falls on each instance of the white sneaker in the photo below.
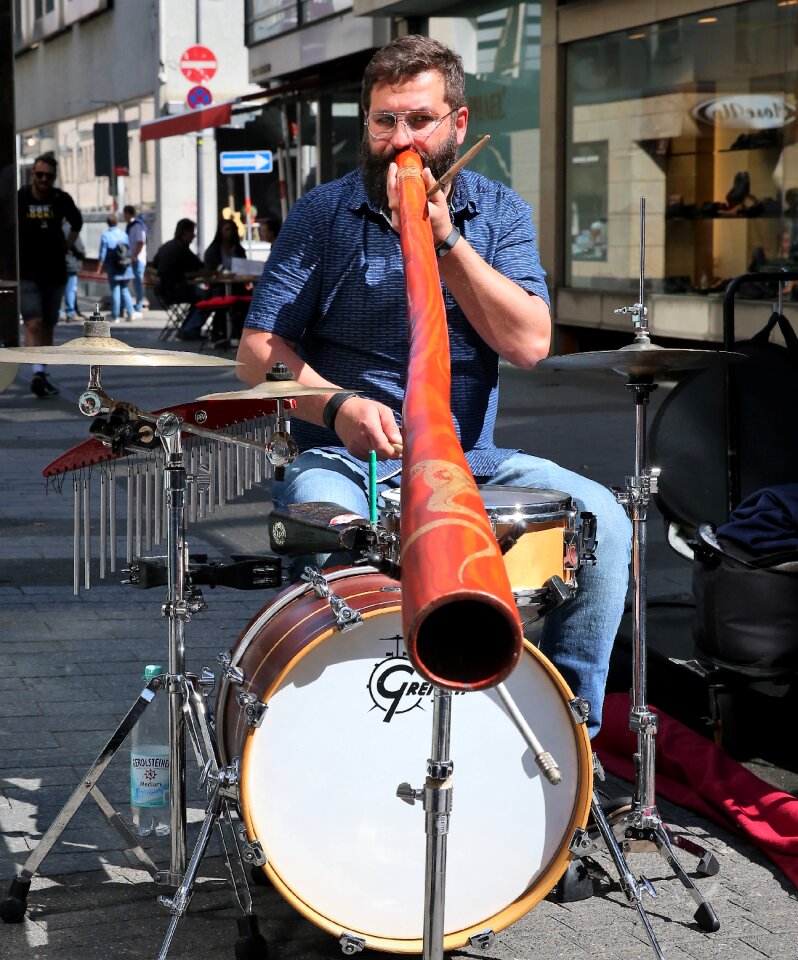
(136, 315)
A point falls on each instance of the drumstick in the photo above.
(458, 166)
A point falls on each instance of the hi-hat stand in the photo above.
(188, 708)
(640, 827)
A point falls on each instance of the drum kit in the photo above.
(319, 711)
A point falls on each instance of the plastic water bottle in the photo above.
(149, 764)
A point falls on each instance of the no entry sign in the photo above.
(198, 64)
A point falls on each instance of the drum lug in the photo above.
(231, 674)
(581, 844)
(482, 940)
(254, 709)
(580, 709)
(350, 943)
(344, 615)
(251, 850)
(587, 539)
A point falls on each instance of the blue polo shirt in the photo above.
(334, 286)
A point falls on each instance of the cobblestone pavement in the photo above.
(72, 666)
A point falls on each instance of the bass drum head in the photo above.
(348, 721)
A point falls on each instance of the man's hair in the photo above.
(183, 226)
(128, 209)
(48, 158)
(407, 57)
(112, 220)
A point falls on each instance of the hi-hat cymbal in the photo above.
(642, 360)
(272, 390)
(106, 351)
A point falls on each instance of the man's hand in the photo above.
(437, 206)
(365, 425)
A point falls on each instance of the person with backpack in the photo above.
(137, 241)
(115, 257)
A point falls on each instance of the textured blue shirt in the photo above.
(334, 286)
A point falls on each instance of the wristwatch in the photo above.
(443, 248)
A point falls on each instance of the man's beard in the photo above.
(375, 166)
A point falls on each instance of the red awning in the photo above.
(188, 122)
(221, 113)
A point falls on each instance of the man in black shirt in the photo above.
(42, 208)
(175, 261)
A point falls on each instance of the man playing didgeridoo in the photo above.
(331, 305)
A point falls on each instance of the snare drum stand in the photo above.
(641, 828)
(188, 705)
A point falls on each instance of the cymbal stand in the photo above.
(436, 797)
(187, 705)
(642, 827)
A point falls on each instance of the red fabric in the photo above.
(700, 775)
(216, 303)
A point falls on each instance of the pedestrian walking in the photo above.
(137, 241)
(116, 259)
(41, 210)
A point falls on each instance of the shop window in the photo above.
(698, 115)
(500, 47)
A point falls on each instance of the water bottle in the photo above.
(149, 764)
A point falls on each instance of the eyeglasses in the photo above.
(419, 124)
(43, 175)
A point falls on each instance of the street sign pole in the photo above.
(248, 211)
(246, 162)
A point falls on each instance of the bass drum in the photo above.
(348, 720)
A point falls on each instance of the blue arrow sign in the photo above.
(246, 161)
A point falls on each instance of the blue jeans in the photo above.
(71, 295)
(120, 296)
(578, 637)
(139, 267)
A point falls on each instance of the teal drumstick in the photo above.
(373, 487)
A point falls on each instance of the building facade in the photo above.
(80, 62)
(593, 105)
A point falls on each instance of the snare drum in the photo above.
(348, 720)
(548, 546)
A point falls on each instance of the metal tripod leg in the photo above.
(704, 916)
(87, 787)
(223, 789)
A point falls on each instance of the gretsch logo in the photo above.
(747, 111)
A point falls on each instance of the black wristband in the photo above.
(332, 407)
(443, 248)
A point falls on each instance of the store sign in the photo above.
(747, 111)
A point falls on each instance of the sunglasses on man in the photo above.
(43, 175)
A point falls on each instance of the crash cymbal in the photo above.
(106, 351)
(642, 360)
(8, 374)
(272, 390)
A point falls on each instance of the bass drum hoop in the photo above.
(514, 910)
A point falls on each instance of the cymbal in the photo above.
(642, 360)
(272, 390)
(106, 351)
(8, 374)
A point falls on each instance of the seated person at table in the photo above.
(219, 257)
(176, 264)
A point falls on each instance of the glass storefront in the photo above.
(698, 115)
(500, 47)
